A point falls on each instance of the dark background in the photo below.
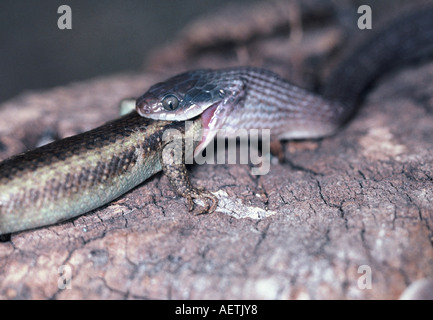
(107, 36)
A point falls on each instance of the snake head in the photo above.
(205, 93)
(181, 97)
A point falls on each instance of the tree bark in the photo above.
(345, 217)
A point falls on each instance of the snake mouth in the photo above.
(210, 123)
(207, 117)
(154, 111)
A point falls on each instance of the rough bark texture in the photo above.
(314, 227)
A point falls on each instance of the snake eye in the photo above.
(170, 102)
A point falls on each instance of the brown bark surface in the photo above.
(359, 201)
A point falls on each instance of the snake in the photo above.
(75, 175)
(255, 98)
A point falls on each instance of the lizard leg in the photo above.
(173, 165)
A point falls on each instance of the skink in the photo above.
(72, 176)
